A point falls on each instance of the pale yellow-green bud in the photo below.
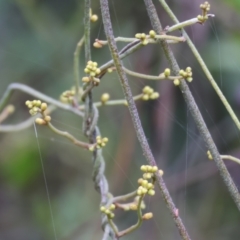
(154, 169)
(150, 185)
(154, 95)
(10, 109)
(140, 181)
(47, 118)
(161, 172)
(145, 97)
(152, 33)
(43, 106)
(111, 215)
(167, 72)
(105, 139)
(143, 168)
(176, 82)
(105, 97)
(94, 18)
(133, 207)
(151, 192)
(97, 45)
(91, 148)
(146, 89)
(85, 79)
(112, 207)
(27, 102)
(138, 35)
(147, 216)
(102, 209)
(181, 73)
(40, 121)
(109, 70)
(97, 71)
(145, 42)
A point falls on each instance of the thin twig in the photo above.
(36, 94)
(229, 157)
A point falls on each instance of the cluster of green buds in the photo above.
(146, 183)
(144, 38)
(209, 155)
(148, 93)
(93, 70)
(205, 9)
(100, 142)
(105, 97)
(36, 106)
(108, 210)
(67, 96)
(187, 74)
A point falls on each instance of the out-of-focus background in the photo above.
(37, 41)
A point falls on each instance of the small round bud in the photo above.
(40, 121)
(133, 207)
(143, 168)
(151, 192)
(154, 169)
(147, 216)
(94, 18)
(111, 215)
(188, 69)
(27, 102)
(138, 35)
(145, 97)
(109, 70)
(167, 72)
(176, 82)
(43, 106)
(152, 33)
(146, 89)
(140, 181)
(161, 172)
(102, 209)
(112, 207)
(189, 79)
(181, 73)
(91, 148)
(105, 139)
(38, 103)
(47, 118)
(97, 45)
(105, 97)
(97, 71)
(85, 79)
(154, 95)
(10, 109)
(145, 42)
(150, 186)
